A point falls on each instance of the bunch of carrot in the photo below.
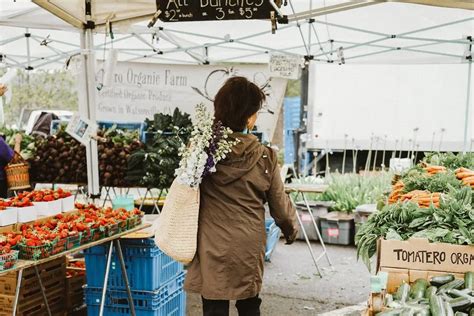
(423, 198)
(397, 190)
(432, 170)
(466, 176)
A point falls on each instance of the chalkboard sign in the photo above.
(206, 10)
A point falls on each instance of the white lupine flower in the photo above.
(194, 157)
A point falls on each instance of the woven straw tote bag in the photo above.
(177, 227)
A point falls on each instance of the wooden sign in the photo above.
(211, 10)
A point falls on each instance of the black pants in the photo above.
(3, 188)
(247, 307)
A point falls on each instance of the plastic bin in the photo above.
(169, 300)
(124, 201)
(148, 268)
(273, 235)
(362, 213)
(338, 228)
(319, 208)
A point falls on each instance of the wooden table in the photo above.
(302, 190)
(114, 241)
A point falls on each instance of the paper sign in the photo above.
(306, 218)
(285, 66)
(419, 254)
(81, 129)
(333, 232)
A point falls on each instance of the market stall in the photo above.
(349, 38)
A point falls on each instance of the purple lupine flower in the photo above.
(217, 134)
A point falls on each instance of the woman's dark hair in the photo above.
(237, 100)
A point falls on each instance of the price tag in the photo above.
(306, 218)
(206, 10)
(285, 66)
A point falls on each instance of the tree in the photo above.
(41, 90)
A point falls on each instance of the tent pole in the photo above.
(87, 108)
(468, 107)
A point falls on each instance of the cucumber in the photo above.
(469, 280)
(423, 312)
(471, 313)
(402, 292)
(455, 284)
(418, 288)
(449, 309)
(437, 306)
(391, 312)
(460, 303)
(432, 290)
(461, 293)
(388, 299)
(460, 314)
(441, 279)
(407, 311)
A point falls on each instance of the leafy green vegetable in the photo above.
(348, 191)
(450, 160)
(452, 222)
(154, 166)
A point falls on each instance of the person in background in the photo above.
(7, 154)
(231, 237)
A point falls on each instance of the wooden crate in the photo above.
(30, 300)
(50, 272)
(34, 306)
(75, 292)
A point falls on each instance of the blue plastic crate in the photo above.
(148, 268)
(273, 235)
(170, 300)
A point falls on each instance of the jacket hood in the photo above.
(240, 161)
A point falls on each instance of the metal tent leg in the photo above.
(308, 243)
(42, 290)
(106, 279)
(17, 291)
(325, 252)
(118, 248)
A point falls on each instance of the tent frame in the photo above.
(87, 48)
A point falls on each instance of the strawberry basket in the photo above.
(35, 252)
(8, 260)
(97, 234)
(112, 229)
(86, 236)
(73, 241)
(122, 225)
(134, 221)
(59, 246)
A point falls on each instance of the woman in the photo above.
(231, 240)
(7, 155)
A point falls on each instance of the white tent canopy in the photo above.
(368, 34)
(337, 32)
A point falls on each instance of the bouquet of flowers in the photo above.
(209, 144)
(177, 226)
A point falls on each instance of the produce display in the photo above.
(442, 295)
(429, 201)
(28, 146)
(62, 159)
(59, 159)
(115, 147)
(154, 166)
(348, 191)
(53, 235)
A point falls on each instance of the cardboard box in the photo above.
(420, 254)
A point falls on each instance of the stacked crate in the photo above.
(30, 300)
(155, 279)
